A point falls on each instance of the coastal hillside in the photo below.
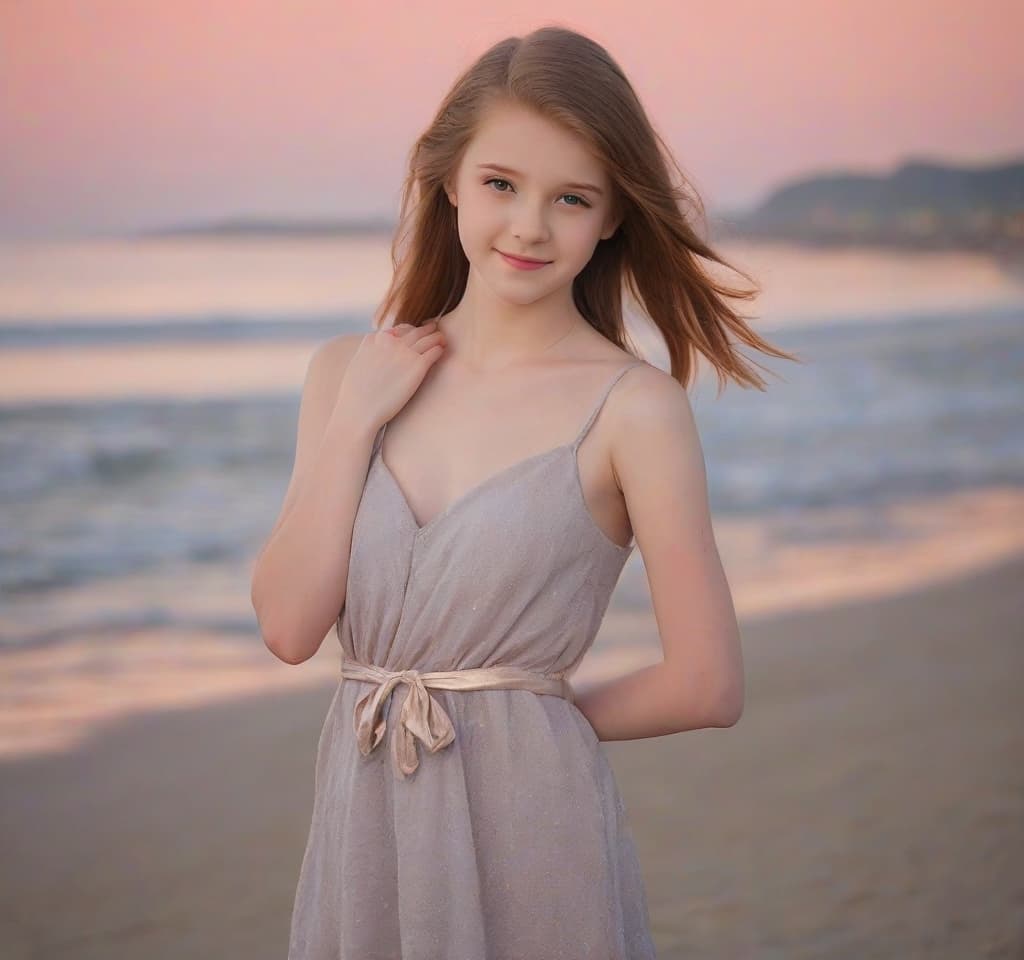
(919, 205)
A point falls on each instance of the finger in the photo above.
(401, 329)
(430, 340)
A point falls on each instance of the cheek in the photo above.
(582, 234)
(479, 222)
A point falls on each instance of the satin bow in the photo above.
(421, 718)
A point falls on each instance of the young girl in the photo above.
(463, 808)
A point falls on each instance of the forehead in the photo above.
(518, 137)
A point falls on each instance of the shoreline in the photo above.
(186, 370)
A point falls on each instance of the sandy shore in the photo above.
(869, 804)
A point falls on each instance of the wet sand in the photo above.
(870, 803)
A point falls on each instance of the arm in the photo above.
(658, 462)
(299, 576)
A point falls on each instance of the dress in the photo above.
(507, 839)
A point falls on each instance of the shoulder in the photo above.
(328, 362)
(324, 372)
(332, 356)
(645, 391)
(650, 417)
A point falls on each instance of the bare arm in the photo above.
(353, 385)
(298, 580)
(657, 458)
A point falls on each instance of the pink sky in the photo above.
(119, 114)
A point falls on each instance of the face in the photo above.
(528, 187)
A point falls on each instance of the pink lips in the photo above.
(523, 264)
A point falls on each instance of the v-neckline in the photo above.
(420, 529)
(570, 447)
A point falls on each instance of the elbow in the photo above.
(727, 707)
(702, 704)
(278, 643)
(726, 704)
(282, 643)
(283, 653)
(727, 715)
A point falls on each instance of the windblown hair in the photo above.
(655, 253)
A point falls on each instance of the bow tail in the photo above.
(422, 718)
(368, 717)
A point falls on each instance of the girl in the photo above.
(467, 561)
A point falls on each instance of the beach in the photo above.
(869, 803)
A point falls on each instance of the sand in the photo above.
(870, 803)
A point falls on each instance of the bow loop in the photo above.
(421, 718)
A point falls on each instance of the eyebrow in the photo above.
(515, 173)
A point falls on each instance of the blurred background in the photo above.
(193, 196)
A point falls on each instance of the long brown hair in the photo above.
(655, 253)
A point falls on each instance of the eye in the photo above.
(581, 203)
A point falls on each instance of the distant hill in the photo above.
(276, 227)
(920, 205)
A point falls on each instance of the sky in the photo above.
(119, 114)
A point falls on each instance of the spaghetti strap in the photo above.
(600, 402)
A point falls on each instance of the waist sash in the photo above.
(422, 717)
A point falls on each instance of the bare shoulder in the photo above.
(324, 373)
(651, 420)
(646, 389)
(645, 392)
(330, 359)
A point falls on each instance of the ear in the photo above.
(610, 226)
(613, 220)
(451, 193)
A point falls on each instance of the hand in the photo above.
(387, 368)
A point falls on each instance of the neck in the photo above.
(491, 339)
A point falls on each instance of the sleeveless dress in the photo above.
(493, 827)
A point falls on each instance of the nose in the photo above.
(529, 224)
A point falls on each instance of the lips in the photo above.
(515, 256)
(523, 263)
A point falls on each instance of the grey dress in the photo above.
(492, 827)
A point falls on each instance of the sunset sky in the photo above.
(119, 114)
